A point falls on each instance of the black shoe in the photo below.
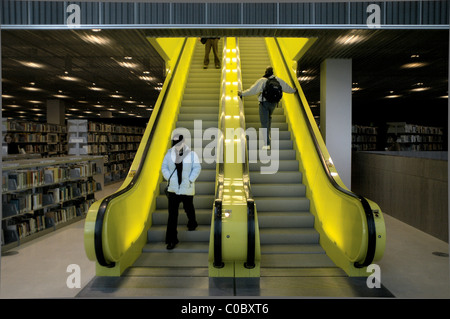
(192, 227)
(171, 246)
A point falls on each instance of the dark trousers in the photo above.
(211, 43)
(265, 115)
(172, 222)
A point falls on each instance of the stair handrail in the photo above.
(98, 229)
(218, 200)
(251, 230)
(371, 245)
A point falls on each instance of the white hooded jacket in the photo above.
(191, 171)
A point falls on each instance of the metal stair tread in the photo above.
(182, 247)
(292, 249)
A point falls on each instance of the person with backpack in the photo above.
(270, 90)
(180, 168)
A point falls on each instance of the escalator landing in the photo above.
(141, 283)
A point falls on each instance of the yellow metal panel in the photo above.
(128, 216)
(234, 206)
(340, 219)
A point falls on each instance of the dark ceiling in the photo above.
(410, 66)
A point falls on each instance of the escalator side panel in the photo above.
(127, 218)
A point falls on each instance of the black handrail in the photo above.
(98, 229)
(251, 228)
(371, 245)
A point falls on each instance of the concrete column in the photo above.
(336, 113)
(56, 112)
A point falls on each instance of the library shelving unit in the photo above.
(45, 194)
(364, 138)
(411, 137)
(36, 138)
(117, 143)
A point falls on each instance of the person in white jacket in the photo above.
(181, 167)
(266, 108)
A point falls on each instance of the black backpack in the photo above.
(272, 91)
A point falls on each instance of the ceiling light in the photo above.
(73, 109)
(13, 105)
(146, 78)
(420, 89)
(349, 39)
(96, 30)
(28, 88)
(94, 39)
(146, 72)
(33, 65)
(141, 105)
(130, 102)
(97, 105)
(413, 65)
(35, 102)
(5, 96)
(94, 88)
(68, 78)
(116, 96)
(127, 64)
(61, 96)
(128, 58)
(393, 96)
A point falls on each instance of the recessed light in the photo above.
(28, 88)
(413, 65)
(94, 88)
(33, 65)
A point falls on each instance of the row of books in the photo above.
(359, 129)
(22, 179)
(29, 224)
(23, 126)
(403, 127)
(417, 139)
(101, 138)
(25, 202)
(105, 148)
(110, 128)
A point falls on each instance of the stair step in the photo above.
(203, 217)
(182, 247)
(292, 249)
(296, 261)
(285, 219)
(285, 204)
(200, 202)
(282, 155)
(288, 236)
(280, 177)
(200, 116)
(278, 190)
(283, 165)
(157, 233)
(171, 258)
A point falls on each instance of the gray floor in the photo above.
(40, 269)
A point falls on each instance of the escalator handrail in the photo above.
(98, 230)
(218, 200)
(371, 245)
(251, 231)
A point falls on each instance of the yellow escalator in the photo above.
(124, 232)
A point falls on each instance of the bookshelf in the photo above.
(364, 138)
(117, 143)
(42, 195)
(412, 137)
(35, 138)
